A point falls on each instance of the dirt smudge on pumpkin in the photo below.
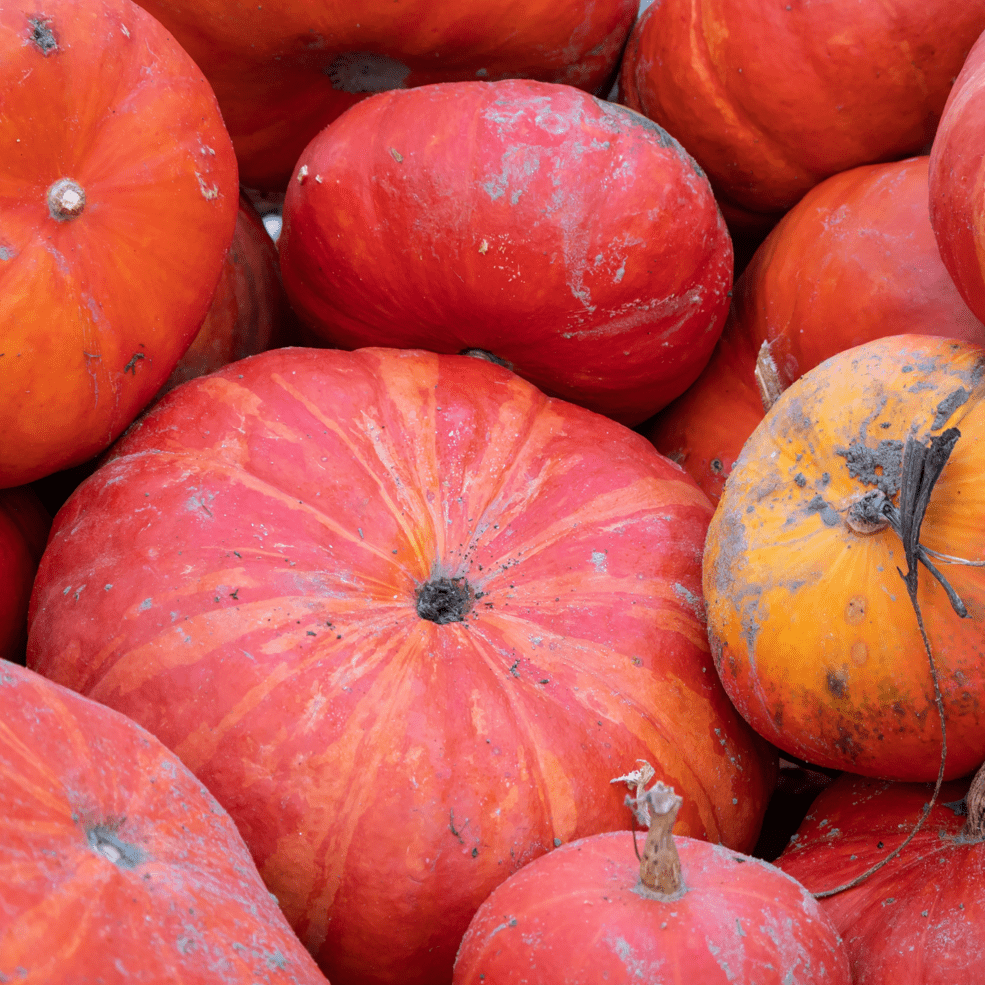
(881, 466)
(366, 71)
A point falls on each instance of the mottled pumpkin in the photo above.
(811, 624)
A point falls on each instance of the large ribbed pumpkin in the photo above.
(567, 236)
(812, 628)
(118, 194)
(406, 617)
(284, 69)
(855, 259)
(957, 179)
(771, 98)
(117, 866)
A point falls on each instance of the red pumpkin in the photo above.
(112, 152)
(283, 70)
(565, 235)
(772, 98)
(917, 920)
(118, 865)
(957, 173)
(854, 260)
(406, 617)
(24, 525)
(250, 312)
(592, 912)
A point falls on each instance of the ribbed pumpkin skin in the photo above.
(771, 98)
(811, 626)
(573, 917)
(564, 234)
(250, 312)
(117, 865)
(96, 310)
(242, 578)
(918, 919)
(957, 176)
(283, 70)
(855, 259)
(24, 525)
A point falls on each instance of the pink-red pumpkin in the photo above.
(406, 617)
(772, 98)
(283, 70)
(24, 525)
(593, 911)
(855, 259)
(118, 192)
(919, 919)
(566, 235)
(117, 865)
(957, 179)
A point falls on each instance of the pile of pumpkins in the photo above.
(458, 589)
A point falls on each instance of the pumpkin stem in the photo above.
(767, 377)
(974, 802)
(660, 865)
(66, 199)
(922, 467)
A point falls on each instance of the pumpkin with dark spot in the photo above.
(811, 624)
(284, 70)
(406, 617)
(117, 865)
(566, 235)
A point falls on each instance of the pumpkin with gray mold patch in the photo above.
(811, 625)
(570, 237)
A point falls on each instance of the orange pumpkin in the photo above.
(112, 151)
(861, 241)
(771, 98)
(811, 625)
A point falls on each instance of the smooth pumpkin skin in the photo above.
(772, 98)
(249, 313)
(855, 259)
(242, 578)
(957, 178)
(284, 70)
(96, 310)
(573, 916)
(918, 919)
(24, 526)
(564, 234)
(117, 865)
(810, 623)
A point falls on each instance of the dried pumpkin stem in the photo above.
(660, 865)
(974, 802)
(922, 466)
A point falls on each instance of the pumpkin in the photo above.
(405, 616)
(24, 525)
(249, 312)
(957, 172)
(570, 238)
(283, 70)
(855, 259)
(773, 98)
(112, 149)
(590, 911)
(118, 865)
(809, 611)
(917, 920)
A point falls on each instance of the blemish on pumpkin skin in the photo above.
(860, 653)
(855, 610)
(837, 682)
